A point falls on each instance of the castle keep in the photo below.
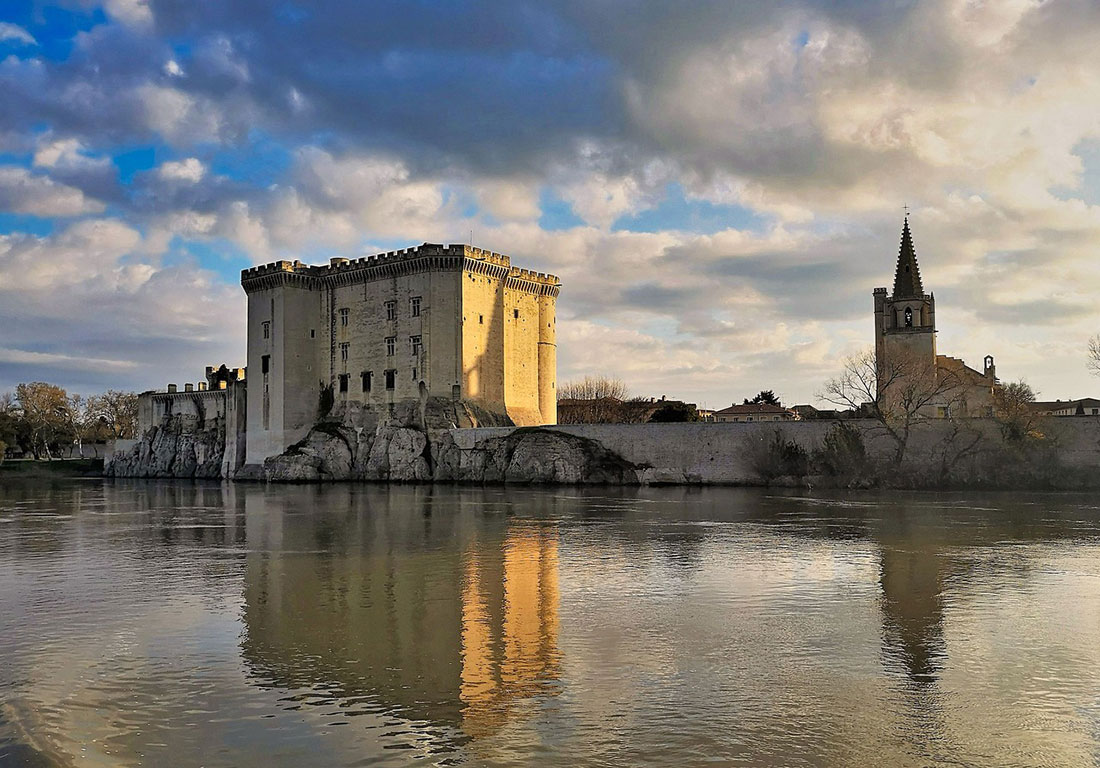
(453, 322)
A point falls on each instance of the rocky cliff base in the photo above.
(413, 443)
(171, 449)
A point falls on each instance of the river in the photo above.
(179, 624)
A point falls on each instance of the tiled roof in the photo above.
(752, 408)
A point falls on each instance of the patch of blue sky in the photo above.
(12, 158)
(25, 223)
(678, 212)
(217, 255)
(132, 160)
(1089, 152)
(54, 28)
(557, 214)
(1089, 189)
(261, 160)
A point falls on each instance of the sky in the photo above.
(720, 186)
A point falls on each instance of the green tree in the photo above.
(674, 412)
(764, 397)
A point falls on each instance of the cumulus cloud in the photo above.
(84, 308)
(15, 33)
(818, 118)
(24, 192)
(189, 170)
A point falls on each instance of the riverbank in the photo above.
(30, 468)
(365, 445)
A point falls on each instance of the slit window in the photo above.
(366, 375)
(391, 379)
(515, 314)
(265, 364)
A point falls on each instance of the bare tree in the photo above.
(593, 388)
(591, 400)
(1093, 361)
(900, 393)
(45, 409)
(118, 410)
(1012, 408)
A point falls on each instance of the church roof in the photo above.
(907, 282)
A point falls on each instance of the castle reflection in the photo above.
(448, 616)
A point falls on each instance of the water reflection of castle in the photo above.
(457, 636)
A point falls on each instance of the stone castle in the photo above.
(453, 322)
(905, 344)
(450, 334)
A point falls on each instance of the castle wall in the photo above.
(476, 336)
(369, 327)
(521, 356)
(483, 338)
(548, 360)
(285, 400)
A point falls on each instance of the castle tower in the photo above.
(905, 322)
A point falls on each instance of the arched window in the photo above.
(908, 317)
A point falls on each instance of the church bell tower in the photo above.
(905, 322)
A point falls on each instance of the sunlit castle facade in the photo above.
(905, 340)
(453, 322)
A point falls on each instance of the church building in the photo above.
(905, 345)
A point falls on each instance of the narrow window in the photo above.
(265, 364)
(414, 342)
(343, 382)
(344, 316)
(344, 352)
(366, 375)
(414, 374)
(481, 319)
(414, 306)
(391, 379)
(515, 314)
(267, 329)
(908, 317)
(313, 333)
(391, 310)
(391, 343)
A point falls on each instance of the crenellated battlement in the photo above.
(425, 257)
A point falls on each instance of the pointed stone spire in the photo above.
(907, 282)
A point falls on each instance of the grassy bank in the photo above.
(21, 468)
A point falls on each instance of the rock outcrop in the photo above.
(172, 449)
(410, 442)
(414, 444)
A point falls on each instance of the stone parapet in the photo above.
(421, 258)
